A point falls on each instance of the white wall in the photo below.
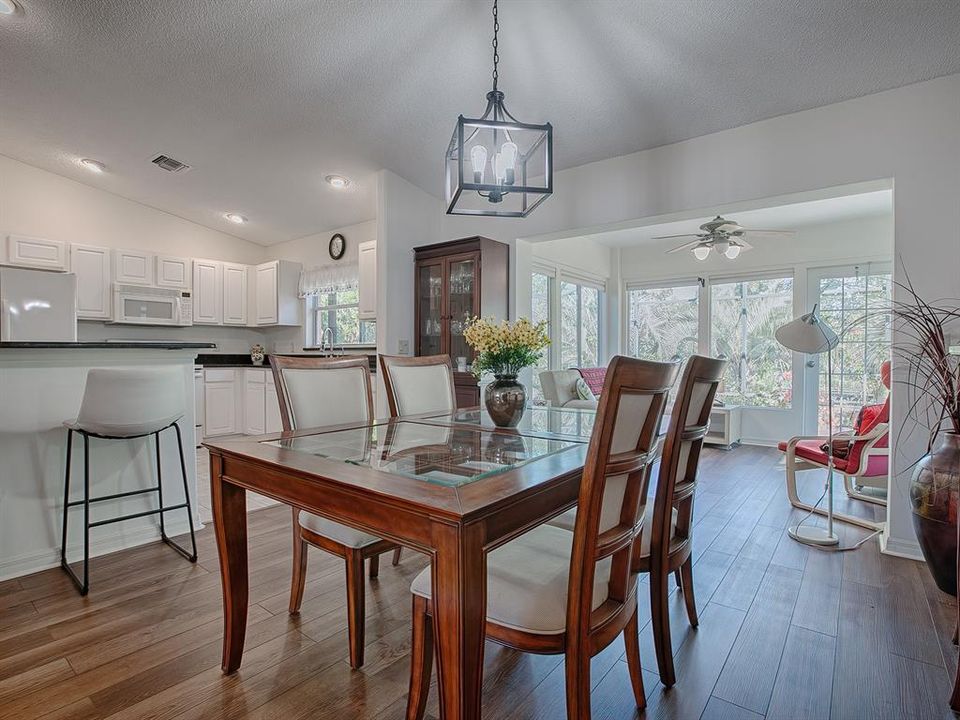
(313, 250)
(909, 134)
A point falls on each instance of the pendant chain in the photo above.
(496, 55)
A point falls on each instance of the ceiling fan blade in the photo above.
(671, 237)
(744, 244)
(757, 231)
(686, 246)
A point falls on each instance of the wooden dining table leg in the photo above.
(230, 527)
(459, 588)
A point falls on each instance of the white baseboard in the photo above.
(900, 548)
(100, 544)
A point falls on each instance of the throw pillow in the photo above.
(583, 390)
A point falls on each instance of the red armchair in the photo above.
(862, 458)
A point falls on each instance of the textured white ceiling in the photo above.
(264, 99)
(791, 216)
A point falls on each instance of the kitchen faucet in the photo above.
(324, 343)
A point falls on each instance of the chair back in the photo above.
(128, 403)
(418, 385)
(612, 491)
(315, 392)
(676, 483)
(864, 456)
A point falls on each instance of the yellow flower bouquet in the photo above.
(505, 348)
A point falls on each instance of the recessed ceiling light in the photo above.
(9, 7)
(91, 165)
(337, 181)
(235, 218)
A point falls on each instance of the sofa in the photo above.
(560, 389)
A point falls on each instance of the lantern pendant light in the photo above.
(495, 164)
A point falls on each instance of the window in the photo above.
(541, 296)
(579, 325)
(663, 322)
(744, 316)
(340, 311)
(857, 307)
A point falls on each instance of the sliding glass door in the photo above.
(855, 302)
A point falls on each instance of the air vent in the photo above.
(169, 164)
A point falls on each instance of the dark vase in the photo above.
(505, 399)
(933, 494)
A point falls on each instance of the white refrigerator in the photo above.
(37, 306)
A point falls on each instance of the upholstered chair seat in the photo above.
(527, 582)
(342, 534)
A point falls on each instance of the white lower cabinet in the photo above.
(254, 401)
(220, 402)
(240, 401)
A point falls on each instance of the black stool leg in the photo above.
(163, 530)
(192, 557)
(84, 585)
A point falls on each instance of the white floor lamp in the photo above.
(810, 335)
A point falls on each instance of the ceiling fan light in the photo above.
(733, 252)
(700, 252)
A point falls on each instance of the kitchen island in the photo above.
(41, 386)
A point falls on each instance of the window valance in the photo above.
(329, 279)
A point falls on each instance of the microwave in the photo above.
(143, 305)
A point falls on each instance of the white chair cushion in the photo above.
(422, 388)
(648, 528)
(342, 534)
(569, 519)
(126, 403)
(527, 582)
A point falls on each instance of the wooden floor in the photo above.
(786, 632)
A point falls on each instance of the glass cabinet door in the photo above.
(462, 302)
(430, 308)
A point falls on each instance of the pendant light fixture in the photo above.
(495, 164)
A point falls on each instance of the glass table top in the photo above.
(574, 423)
(452, 455)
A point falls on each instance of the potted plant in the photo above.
(932, 386)
(504, 349)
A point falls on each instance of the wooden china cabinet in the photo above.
(456, 281)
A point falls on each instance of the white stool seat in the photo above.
(128, 403)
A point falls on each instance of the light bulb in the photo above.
(478, 158)
(509, 153)
(700, 252)
(499, 168)
(721, 246)
(733, 251)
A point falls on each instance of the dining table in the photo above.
(451, 485)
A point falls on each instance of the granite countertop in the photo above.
(100, 345)
(240, 360)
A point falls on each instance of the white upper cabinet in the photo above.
(368, 280)
(133, 267)
(91, 265)
(276, 293)
(207, 292)
(174, 272)
(26, 251)
(234, 294)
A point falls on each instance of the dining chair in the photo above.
(314, 392)
(418, 385)
(665, 543)
(552, 591)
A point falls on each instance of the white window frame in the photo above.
(686, 281)
(313, 310)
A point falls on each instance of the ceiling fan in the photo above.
(725, 237)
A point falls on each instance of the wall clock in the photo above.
(338, 246)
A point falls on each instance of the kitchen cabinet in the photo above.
(133, 267)
(368, 280)
(234, 294)
(91, 265)
(207, 292)
(254, 401)
(174, 272)
(454, 282)
(220, 402)
(275, 295)
(34, 252)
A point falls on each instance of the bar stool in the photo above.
(124, 405)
